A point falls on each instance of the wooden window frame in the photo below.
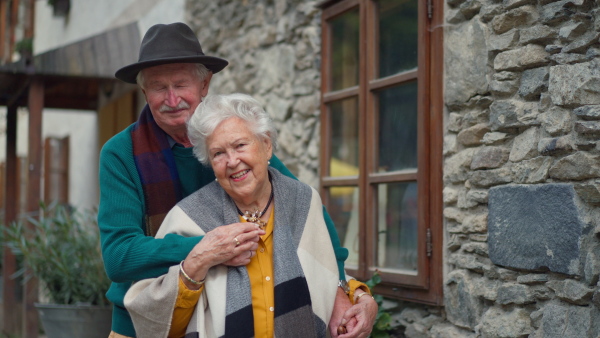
(425, 287)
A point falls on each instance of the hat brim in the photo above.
(129, 73)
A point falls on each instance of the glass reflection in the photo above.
(397, 226)
(398, 36)
(398, 128)
(343, 209)
(344, 50)
(344, 138)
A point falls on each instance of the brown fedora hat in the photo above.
(173, 43)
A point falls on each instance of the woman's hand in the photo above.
(232, 244)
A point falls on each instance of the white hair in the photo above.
(200, 71)
(215, 109)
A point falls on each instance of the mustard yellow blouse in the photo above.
(260, 272)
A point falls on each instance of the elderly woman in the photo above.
(286, 282)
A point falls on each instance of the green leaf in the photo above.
(379, 334)
(62, 249)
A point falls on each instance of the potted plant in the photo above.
(61, 248)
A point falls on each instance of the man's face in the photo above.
(173, 91)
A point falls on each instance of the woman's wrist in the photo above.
(191, 282)
(356, 289)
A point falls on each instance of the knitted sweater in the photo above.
(129, 255)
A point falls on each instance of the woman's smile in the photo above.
(240, 175)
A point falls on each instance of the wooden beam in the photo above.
(3, 7)
(11, 318)
(29, 19)
(34, 155)
(14, 18)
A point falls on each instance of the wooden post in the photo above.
(14, 17)
(34, 155)
(11, 318)
(3, 8)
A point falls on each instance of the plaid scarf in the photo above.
(155, 164)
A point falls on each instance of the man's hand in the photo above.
(359, 319)
(340, 307)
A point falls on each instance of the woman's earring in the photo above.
(268, 162)
(216, 179)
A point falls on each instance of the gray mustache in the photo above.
(182, 105)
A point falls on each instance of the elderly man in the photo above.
(148, 167)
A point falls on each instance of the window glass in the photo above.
(398, 27)
(344, 138)
(344, 50)
(397, 138)
(397, 226)
(343, 209)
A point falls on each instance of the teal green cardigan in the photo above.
(129, 255)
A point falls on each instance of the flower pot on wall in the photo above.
(61, 321)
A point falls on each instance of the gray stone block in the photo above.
(533, 83)
(514, 294)
(463, 307)
(575, 84)
(535, 227)
(537, 34)
(492, 177)
(579, 166)
(466, 65)
(532, 171)
(499, 322)
(591, 112)
(555, 146)
(591, 128)
(489, 157)
(571, 291)
(569, 321)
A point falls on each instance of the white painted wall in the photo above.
(80, 126)
(91, 17)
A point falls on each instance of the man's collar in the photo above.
(172, 142)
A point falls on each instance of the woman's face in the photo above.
(239, 160)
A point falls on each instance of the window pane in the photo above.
(398, 28)
(343, 209)
(344, 138)
(398, 128)
(344, 51)
(397, 226)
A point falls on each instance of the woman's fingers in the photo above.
(227, 244)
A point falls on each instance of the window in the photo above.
(381, 131)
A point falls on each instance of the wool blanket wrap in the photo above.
(305, 269)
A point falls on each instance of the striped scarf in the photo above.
(293, 310)
(155, 164)
(305, 270)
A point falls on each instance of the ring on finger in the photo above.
(237, 243)
(250, 254)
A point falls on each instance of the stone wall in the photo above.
(522, 94)
(274, 52)
(521, 153)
